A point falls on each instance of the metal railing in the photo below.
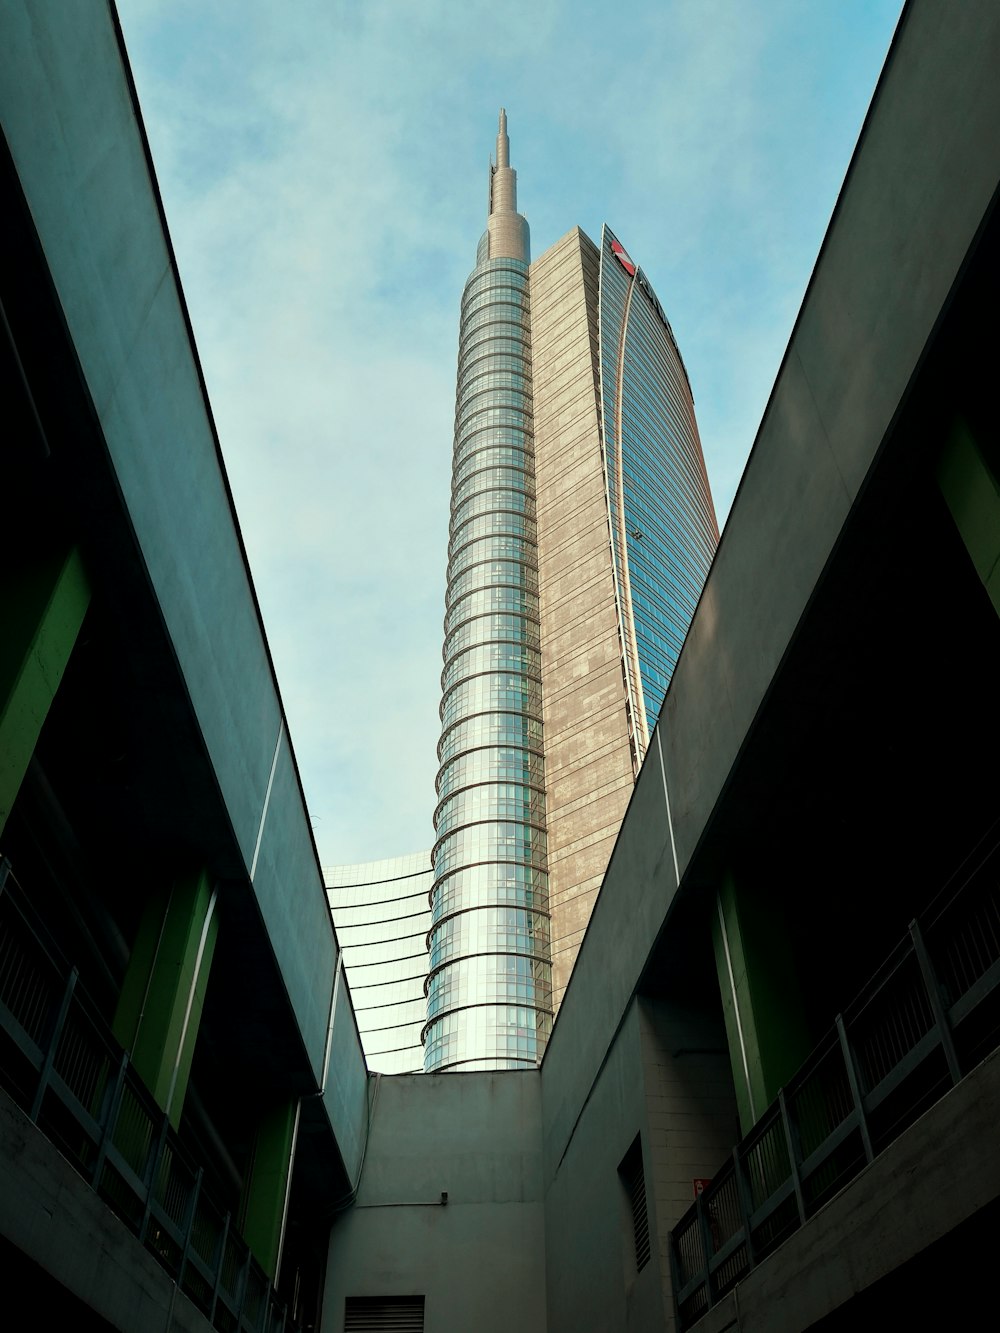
(930, 1013)
(60, 1063)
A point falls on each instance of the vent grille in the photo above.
(384, 1314)
(634, 1180)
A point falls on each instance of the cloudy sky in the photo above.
(324, 171)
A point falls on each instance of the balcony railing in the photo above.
(929, 1014)
(60, 1063)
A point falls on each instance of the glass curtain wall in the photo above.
(663, 521)
(381, 912)
(489, 988)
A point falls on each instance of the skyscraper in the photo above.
(582, 528)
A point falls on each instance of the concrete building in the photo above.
(787, 996)
(582, 528)
(769, 1098)
(381, 910)
(183, 1091)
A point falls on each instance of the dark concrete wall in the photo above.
(591, 1274)
(939, 1174)
(691, 1112)
(49, 1212)
(345, 1094)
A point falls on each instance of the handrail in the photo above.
(904, 1042)
(77, 1084)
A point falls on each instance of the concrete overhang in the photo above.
(135, 463)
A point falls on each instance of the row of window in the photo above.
(493, 573)
(512, 336)
(509, 690)
(493, 628)
(503, 317)
(490, 802)
(521, 601)
(512, 1037)
(513, 549)
(518, 843)
(488, 377)
(477, 932)
(493, 764)
(521, 695)
(487, 525)
(482, 437)
(487, 417)
(490, 729)
(492, 297)
(509, 500)
(491, 657)
(501, 598)
(490, 476)
(491, 884)
(496, 275)
(488, 457)
(494, 354)
(476, 400)
(487, 980)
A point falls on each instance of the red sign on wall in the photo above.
(621, 254)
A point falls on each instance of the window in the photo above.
(634, 1182)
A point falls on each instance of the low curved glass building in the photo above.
(582, 529)
(381, 912)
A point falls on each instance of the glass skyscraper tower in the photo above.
(582, 528)
(490, 982)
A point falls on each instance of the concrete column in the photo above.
(265, 1195)
(42, 608)
(160, 1007)
(691, 1114)
(761, 1000)
(971, 488)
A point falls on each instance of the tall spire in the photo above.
(508, 231)
(503, 142)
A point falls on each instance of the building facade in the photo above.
(381, 910)
(582, 529)
(489, 998)
(182, 1090)
(789, 990)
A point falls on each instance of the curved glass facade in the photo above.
(489, 989)
(664, 530)
(381, 913)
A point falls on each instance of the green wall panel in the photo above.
(972, 492)
(267, 1185)
(761, 1000)
(161, 1003)
(43, 608)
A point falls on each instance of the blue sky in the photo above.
(324, 172)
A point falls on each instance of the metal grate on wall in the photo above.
(634, 1180)
(384, 1314)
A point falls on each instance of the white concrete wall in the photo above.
(479, 1260)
